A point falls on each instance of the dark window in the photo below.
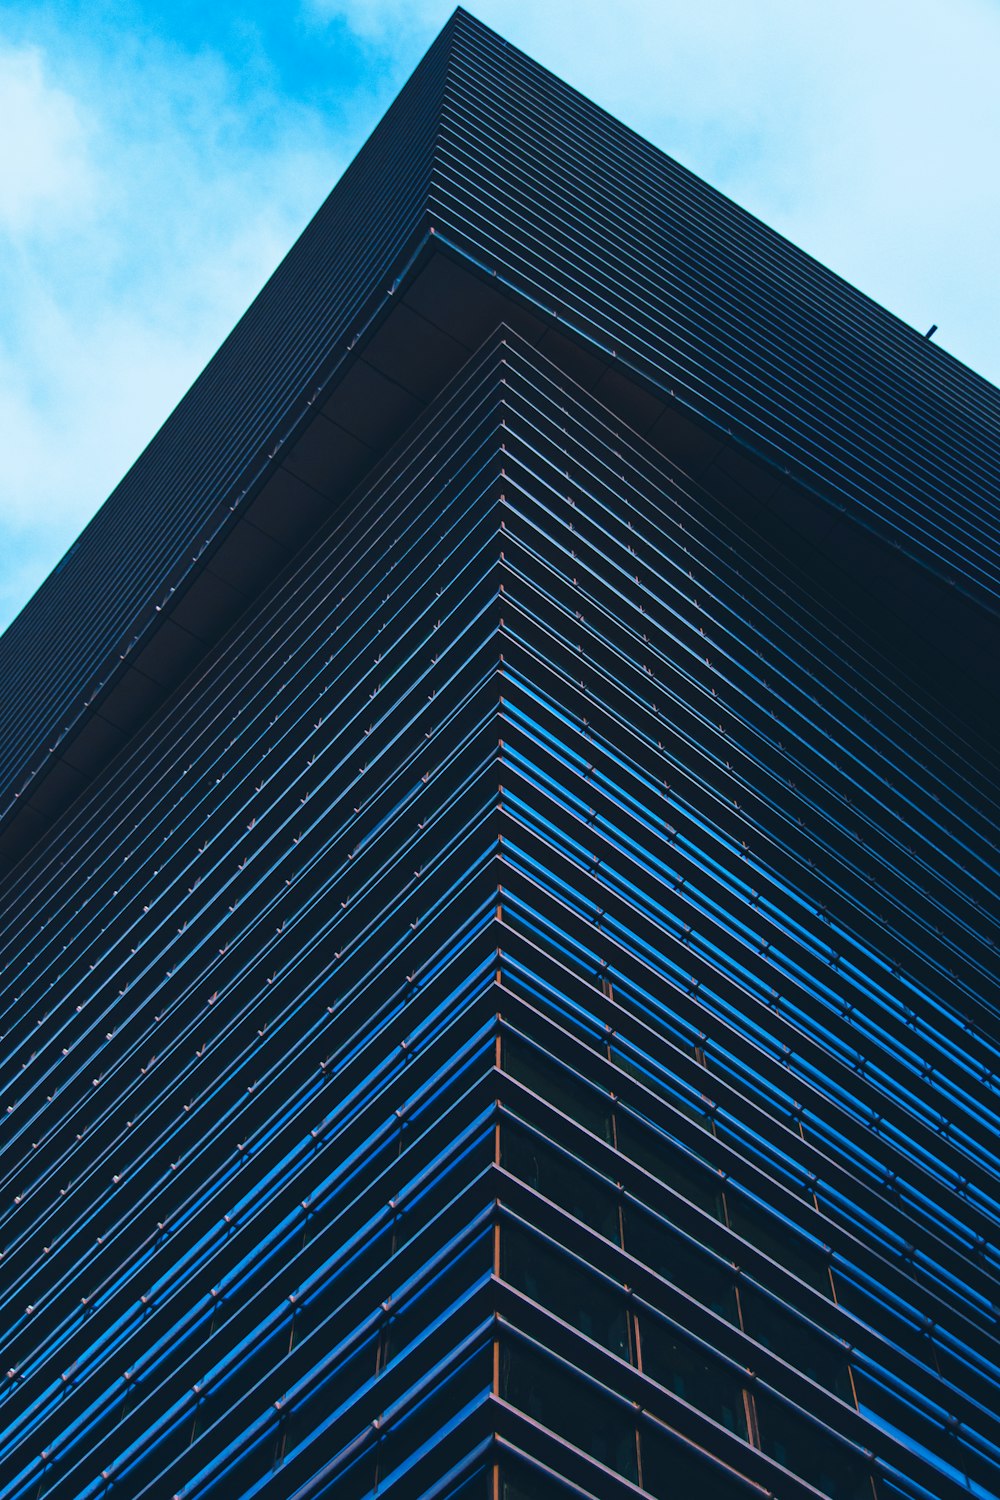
(779, 1242)
(436, 1410)
(679, 1260)
(478, 1486)
(325, 1295)
(570, 1407)
(354, 1479)
(588, 1105)
(682, 1367)
(247, 1467)
(681, 1095)
(771, 1324)
(809, 1451)
(519, 1482)
(336, 1386)
(668, 1161)
(559, 1178)
(411, 1314)
(260, 1352)
(561, 1285)
(674, 1471)
(934, 1438)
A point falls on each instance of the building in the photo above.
(499, 911)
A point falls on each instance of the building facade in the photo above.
(499, 924)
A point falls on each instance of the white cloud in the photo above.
(384, 20)
(138, 222)
(46, 173)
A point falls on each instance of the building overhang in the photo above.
(437, 311)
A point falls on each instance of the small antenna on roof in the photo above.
(932, 330)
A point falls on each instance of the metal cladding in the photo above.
(511, 1011)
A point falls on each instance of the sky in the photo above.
(158, 159)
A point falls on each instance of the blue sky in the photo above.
(158, 159)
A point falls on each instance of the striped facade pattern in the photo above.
(636, 256)
(528, 186)
(517, 1023)
(513, 1013)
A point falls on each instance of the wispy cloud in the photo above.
(149, 194)
(47, 179)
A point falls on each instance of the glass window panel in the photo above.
(683, 1368)
(807, 1450)
(519, 1482)
(589, 1106)
(439, 1187)
(673, 1471)
(659, 1154)
(148, 1455)
(561, 1285)
(412, 1314)
(779, 1330)
(779, 1242)
(926, 1431)
(332, 1390)
(353, 1480)
(560, 1179)
(247, 1467)
(478, 1486)
(676, 1258)
(261, 1351)
(681, 1095)
(324, 1296)
(569, 1407)
(436, 1411)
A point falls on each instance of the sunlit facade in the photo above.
(498, 923)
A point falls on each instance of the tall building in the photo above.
(498, 926)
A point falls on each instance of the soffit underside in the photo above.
(424, 331)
